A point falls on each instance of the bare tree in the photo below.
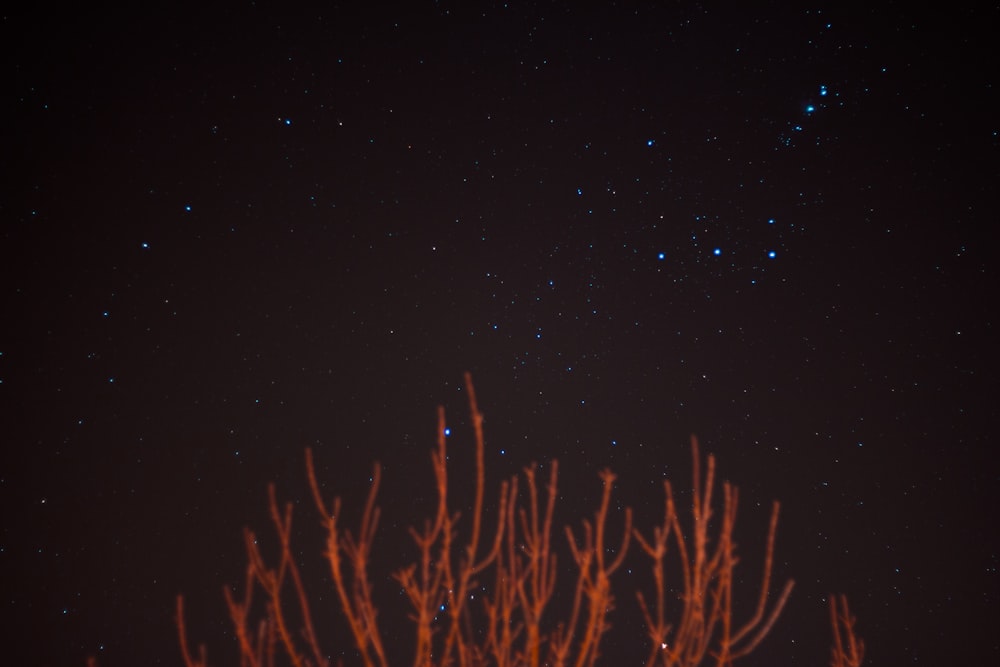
(512, 566)
(706, 617)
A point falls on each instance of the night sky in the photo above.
(228, 235)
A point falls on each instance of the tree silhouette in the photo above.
(513, 624)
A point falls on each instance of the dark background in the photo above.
(228, 235)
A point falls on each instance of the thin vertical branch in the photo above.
(426, 586)
(658, 629)
(477, 427)
(842, 625)
(238, 614)
(189, 660)
(593, 581)
(356, 603)
(755, 621)
(457, 587)
(536, 587)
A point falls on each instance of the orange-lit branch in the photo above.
(593, 582)
(842, 624)
(706, 623)
(189, 660)
(476, 601)
(356, 602)
(537, 583)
